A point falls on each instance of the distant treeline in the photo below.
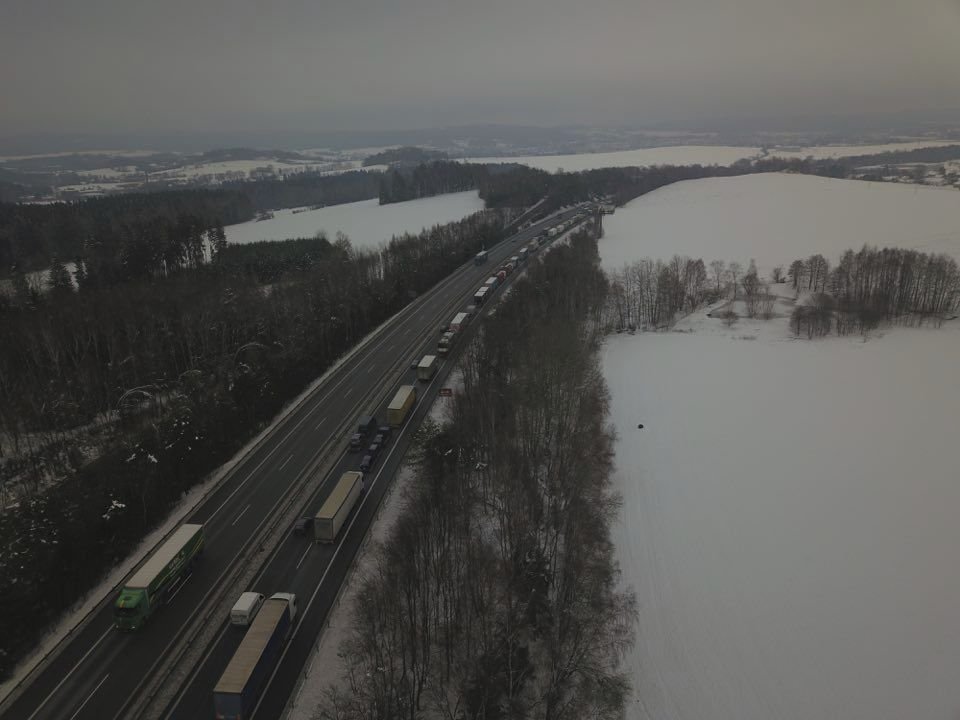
(902, 157)
(407, 155)
(874, 286)
(115, 400)
(109, 228)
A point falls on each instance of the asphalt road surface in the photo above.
(99, 671)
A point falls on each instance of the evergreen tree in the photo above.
(59, 277)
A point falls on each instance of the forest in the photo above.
(496, 593)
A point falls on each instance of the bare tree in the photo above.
(734, 271)
(718, 268)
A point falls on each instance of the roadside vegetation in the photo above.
(496, 594)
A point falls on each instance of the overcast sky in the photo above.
(191, 65)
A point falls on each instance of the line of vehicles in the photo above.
(269, 621)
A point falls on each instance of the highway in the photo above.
(100, 673)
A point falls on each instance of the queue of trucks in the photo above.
(270, 621)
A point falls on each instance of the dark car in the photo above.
(374, 449)
(356, 440)
(366, 463)
(380, 439)
(303, 526)
(415, 363)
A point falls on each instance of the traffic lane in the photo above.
(296, 567)
(324, 592)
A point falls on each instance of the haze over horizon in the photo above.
(109, 66)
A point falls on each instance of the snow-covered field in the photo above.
(789, 519)
(822, 152)
(676, 155)
(777, 218)
(366, 223)
(692, 154)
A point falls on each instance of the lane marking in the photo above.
(284, 463)
(69, 674)
(240, 515)
(180, 587)
(390, 349)
(72, 717)
(319, 424)
(347, 393)
(304, 556)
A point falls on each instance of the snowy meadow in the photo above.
(366, 223)
(789, 519)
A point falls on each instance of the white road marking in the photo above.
(72, 671)
(304, 556)
(184, 582)
(240, 515)
(89, 696)
(284, 463)
(319, 424)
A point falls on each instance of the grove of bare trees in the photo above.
(874, 286)
(495, 594)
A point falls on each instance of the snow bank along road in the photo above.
(101, 674)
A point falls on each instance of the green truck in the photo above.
(147, 589)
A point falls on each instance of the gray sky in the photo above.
(190, 65)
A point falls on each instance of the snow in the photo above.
(677, 155)
(693, 154)
(833, 151)
(789, 522)
(777, 218)
(366, 223)
(789, 517)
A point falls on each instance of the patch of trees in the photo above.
(874, 286)
(406, 155)
(436, 178)
(648, 294)
(117, 399)
(495, 595)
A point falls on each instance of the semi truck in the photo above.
(459, 320)
(480, 295)
(427, 367)
(399, 407)
(480, 258)
(148, 588)
(235, 695)
(333, 513)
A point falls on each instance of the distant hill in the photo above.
(406, 154)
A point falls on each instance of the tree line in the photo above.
(495, 594)
(32, 236)
(115, 400)
(874, 286)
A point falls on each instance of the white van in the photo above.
(246, 608)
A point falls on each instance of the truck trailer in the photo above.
(399, 407)
(149, 586)
(427, 367)
(333, 513)
(235, 696)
